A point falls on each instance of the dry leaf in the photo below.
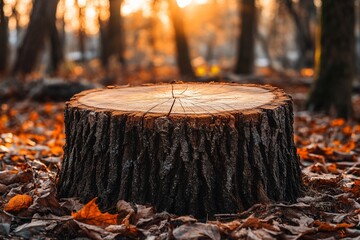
(90, 214)
(18, 203)
(324, 226)
(196, 231)
(255, 223)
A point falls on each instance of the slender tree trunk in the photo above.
(152, 37)
(81, 32)
(103, 41)
(56, 46)
(113, 38)
(116, 30)
(335, 59)
(246, 49)
(42, 15)
(308, 15)
(3, 39)
(305, 42)
(182, 48)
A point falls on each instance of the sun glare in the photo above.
(183, 3)
(99, 9)
(131, 6)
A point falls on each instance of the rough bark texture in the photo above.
(246, 46)
(182, 48)
(335, 59)
(40, 26)
(184, 163)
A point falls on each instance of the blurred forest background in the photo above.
(140, 41)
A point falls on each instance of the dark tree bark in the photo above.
(187, 154)
(3, 39)
(246, 45)
(335, 59)
(40, 27)
(182, 48)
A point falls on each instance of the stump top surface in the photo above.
(186, 98)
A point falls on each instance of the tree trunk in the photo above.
(116, 31)
(103, 43)
(3, 39)
(308, 13)
(335, 58)
(56, 46)
(246, 45)
(41, 22)
(186, 148)
(81, 32)
(151, 28)
(305, 42)
(112, 37)
(182, 48)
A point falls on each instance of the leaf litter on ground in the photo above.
(31, 141)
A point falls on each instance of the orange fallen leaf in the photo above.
(91, 214)
(347, 130)
(256, 223)
(18, 203)
(329, 227)
(337, 122)
(332, 168)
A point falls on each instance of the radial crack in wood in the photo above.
(188, 148)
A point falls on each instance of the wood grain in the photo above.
(180, 98)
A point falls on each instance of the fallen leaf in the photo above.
(95, 232)
(143, 212)
(337, 122)
(329, 227)
(90, 214)
(18, 203)
(229, 226)
(256, 223)
(124, 209)
(12, 176)
(197, 230)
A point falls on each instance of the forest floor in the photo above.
(31, 141)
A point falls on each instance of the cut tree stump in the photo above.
(187, 148)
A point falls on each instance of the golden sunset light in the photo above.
(179, 119)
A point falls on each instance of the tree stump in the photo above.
(188, 148)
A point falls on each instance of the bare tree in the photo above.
(56, 45)
(41, 25)
(3, 39)
(335, 61)
(301, 19)
(112, 39)
(246, 44)
(182, 48)
(81, 31)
